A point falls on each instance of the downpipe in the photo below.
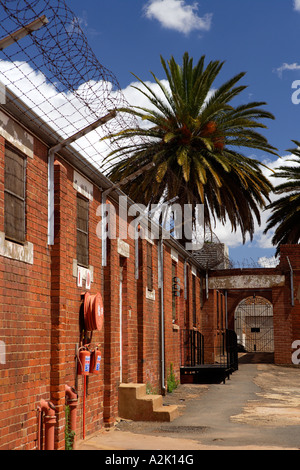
(72, 402)
(162, 315)
(47, 411)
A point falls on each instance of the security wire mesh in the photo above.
(57, 75)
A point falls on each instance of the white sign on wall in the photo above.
(88, 280)
(84, 274)
(79, 277)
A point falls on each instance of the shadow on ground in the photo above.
(256, 358)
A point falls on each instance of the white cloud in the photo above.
(224, 231)
(63, 112)
(260, 240)
(265, 262)
(138, 99)
(81, 23)
(287, 67)
(177, 15)
(297, 5)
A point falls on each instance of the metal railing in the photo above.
(192, 348)
(224, 351)
(232, 350)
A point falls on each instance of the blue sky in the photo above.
(254, 36)
(259, 37)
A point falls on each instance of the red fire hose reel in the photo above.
(93, 311)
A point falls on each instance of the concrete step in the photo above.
(166, 413)
(136, 405)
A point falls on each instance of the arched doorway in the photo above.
(254, 325)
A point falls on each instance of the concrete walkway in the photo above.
(258, 408)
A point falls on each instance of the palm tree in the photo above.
(191, 137)
(286, 210)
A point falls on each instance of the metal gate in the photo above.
(254, 325)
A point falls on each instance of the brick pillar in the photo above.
(111, 334)
(208, 326)
(286, 315)
(58, 303)
(141, 289)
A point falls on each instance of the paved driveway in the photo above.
(258, 408)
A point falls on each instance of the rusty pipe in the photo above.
(72, 402)
(40, 428)
(50, 420)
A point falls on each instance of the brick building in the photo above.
(42, 286)
(52, 252)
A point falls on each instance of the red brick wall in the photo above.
(287, 319)
(66, 300)
(41, 321)
(149, 321)
(25, 319)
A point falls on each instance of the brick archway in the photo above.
(279, 285)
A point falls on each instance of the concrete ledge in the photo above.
(15, 251)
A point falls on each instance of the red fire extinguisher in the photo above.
(84, 360)
(95, 361)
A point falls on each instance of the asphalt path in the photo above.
(257, 409)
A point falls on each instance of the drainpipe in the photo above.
(116, 186)
(40, 429)
(292, 282)
(51, 197)
(206, 283)
(48, 409)
(51, 152)
(162, 315)
(72, 402)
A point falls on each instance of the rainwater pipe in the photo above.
(162, 312)
(72, 403)
(105, 219)
(47, 409)
(162, 316)
(84, 387)
(292, 282)
(51, 152)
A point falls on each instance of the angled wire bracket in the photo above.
(22, 32)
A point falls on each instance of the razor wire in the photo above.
(57, 75)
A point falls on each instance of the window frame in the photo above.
(9, 236)
(80, 257)
(149, 266)
(174, 297)
(194, 300)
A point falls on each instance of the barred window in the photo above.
(173, 292)
(14, 195)
(194, 300)
(82, 231)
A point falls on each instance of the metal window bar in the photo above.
(194, 299)
(173, 293)
(254, 325)
(15, 195)
(192, 348)
(82, 231)
(149, 267)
